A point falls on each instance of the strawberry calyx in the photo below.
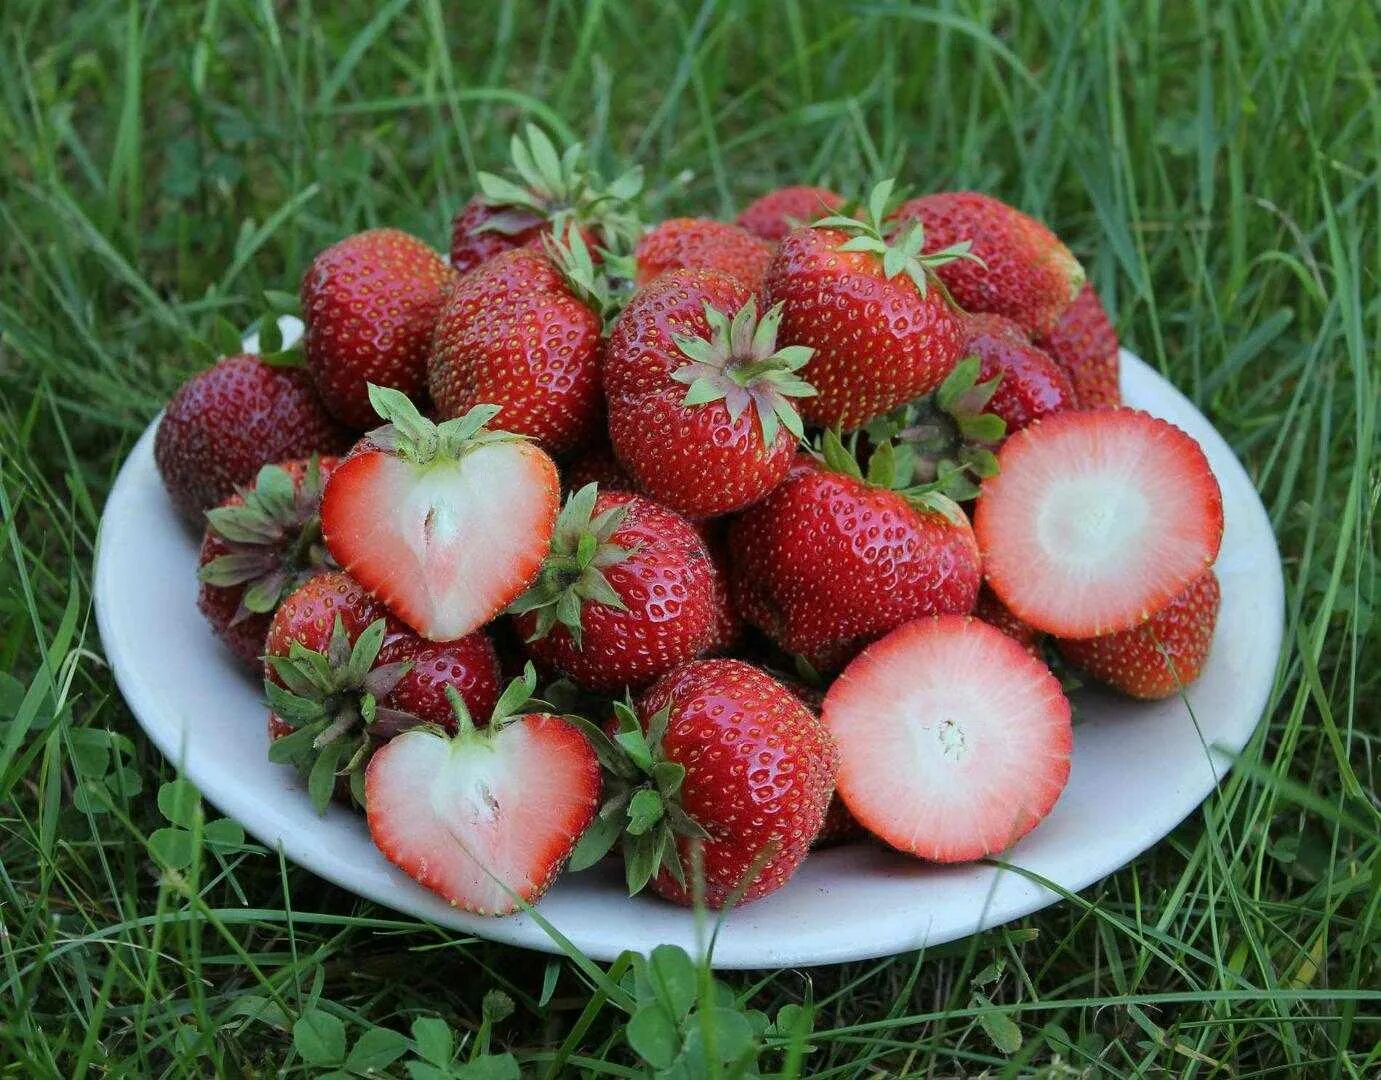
(331, 699)
(582, 548)
(411, 436)
(890, 467)
(643, 806)
(594, 286)
(518, 699)
(274, 537)
(740, 364)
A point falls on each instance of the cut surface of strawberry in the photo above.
(1096, 520)
(953, 741)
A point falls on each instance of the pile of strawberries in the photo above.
(840, 481)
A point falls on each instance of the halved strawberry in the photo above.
(1096, 520)
(953, 741)
(486, 818)
(446, 524)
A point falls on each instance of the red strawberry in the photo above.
(259, 546)
(446, 524)
(551, 192)
(370, 304)
(524, 333)
(1133, 660)
(702, 244)
(224, 424)
(488, 817)
(839, 825)
(596, 465)
(1025, 272)
(1031, 384)
(775, 214)
(728, 625)
(342, 677)
(829, 562)
(883, 334)
(721, 756)
(700, 410)
(994, 612)
(953, 742)
(626, 594)
(1096, 520)
(1084, 343)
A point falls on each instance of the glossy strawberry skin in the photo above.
(878, 342)
(775, 214)
(839, 826)
(596, 464)
(826, 564)
(696, 460)
(728, 624)
(1084, 343)
(1027, 274)
(667, 584)
(370, 303)
(227, 422)
(1132, 661)
(759, 771)
(512, 334)
(702, 244)
(1032, 385)
(472, 244)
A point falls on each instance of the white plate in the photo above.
(1138, 769)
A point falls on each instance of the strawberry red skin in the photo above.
(878, 343)
(826, 564)
(471, 244)
(1132, 661)
(702, 244)
(695, 460)
(1028, 274)
(840, 826)
(596, 464)
(668, 586)
(728, 624)
(370, 303)
(775, 214)
(995, 613)
(1032, 384)
(512, 334)
(227, 422)
(759, 770)
(1084, 343)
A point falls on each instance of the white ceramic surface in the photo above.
(1138, 769)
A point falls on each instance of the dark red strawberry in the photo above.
(261, 544)
(626, 595)
(1030, 384)
(995, 613)
(882, 332)
(1161, 656)
(728, 625)
(1023, 271)
(700, 398)
(226, 423)
(702, 244)
(953, 741)
(370, 304)
(596, 465)
(1084, 343)
(445, 523)
(839, 826)
(777, 213)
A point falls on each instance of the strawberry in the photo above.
(839, 825)
(829, 562)
(446, 524)
(728, 625)
(1161, 656)
(700, 410)
(551, 192)
(994, 612)
(524, 331)
(1030, 383)
(953, 742)
(227, 422)
(1084, 343)
(342, 677)
(485, 818)
(370, 304)
(596, 465)
(1021, 271)
(775, 214)
(701, 244)
(626, 594)
(881, 331)
(722, 758)
(260, 545)
(1096, 520)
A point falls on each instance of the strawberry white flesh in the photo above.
(446, 545)
(954, 742)
(486, 817)
(1096, 520)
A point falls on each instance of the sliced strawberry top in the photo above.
(775, 214)
(1096, 520)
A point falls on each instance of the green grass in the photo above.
(1216, 167)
